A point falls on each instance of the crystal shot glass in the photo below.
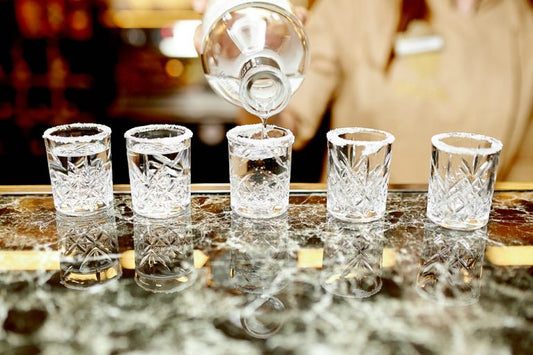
(461, 183)
(79, 163)
(260, 170)
(159, 163)
(358, 173)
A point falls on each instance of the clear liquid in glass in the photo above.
(160, 179)
(260, 174)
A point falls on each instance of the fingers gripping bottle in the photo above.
(254, 53)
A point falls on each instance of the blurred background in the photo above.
(123, 63)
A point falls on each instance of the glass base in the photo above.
(84, 212)
(165, 284)
(150, 213)
(352, 285)
(81, 281)
(255, 214)
(356, 218)
(468, 225)
(446, 297)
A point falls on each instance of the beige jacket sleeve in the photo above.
(521, 141)
(309, 103)
(522, 168)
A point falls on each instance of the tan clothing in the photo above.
(480, 82)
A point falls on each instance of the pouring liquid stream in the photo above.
(264, 134)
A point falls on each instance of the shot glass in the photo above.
(461, 184)
(159, 162)
(79, 162)
(260, 170)
(358, 173)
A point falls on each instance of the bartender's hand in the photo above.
(200, 6)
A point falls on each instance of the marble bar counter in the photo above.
(210, 282)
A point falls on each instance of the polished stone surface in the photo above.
(211, 282)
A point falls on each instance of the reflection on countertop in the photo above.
(212, 282)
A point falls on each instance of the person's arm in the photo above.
(309, 103)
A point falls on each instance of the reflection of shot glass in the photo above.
(79, 162)
(260, 169)
(451, 265)
(164, 254)
(358, 173)
(89, 254)
(256, 262)
(463, 172)
(259, 254)
(159, 162)
(352, 259)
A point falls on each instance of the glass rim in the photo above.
(437, 141)
(105, 131)
(234, 137)
(186, 133)
(333, 137)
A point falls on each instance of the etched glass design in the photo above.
(89, 254)
(352, 259)
(451, 265)
(260, 170)
(463, 173)
(159, 164)
(164, 254)
(79, 161)
(358, 173)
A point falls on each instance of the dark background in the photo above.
(64, 61)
